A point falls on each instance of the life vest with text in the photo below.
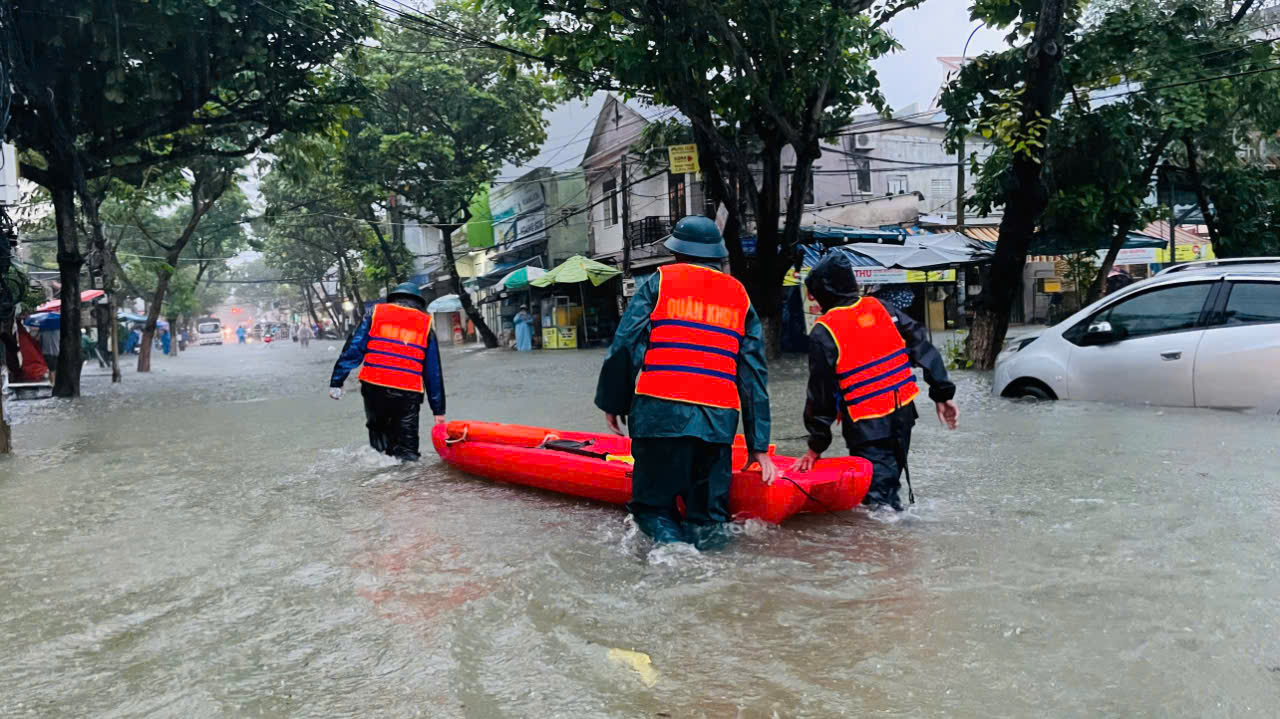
(696, 328)
(396, 347)
(872, 366)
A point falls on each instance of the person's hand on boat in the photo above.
(806, 462)
(768, 472)
(335, 392)
(613, 420)
(948, 413)
(440, 419)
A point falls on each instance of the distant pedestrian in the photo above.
(240, 335)
(50, 347)
(524, 329)
(165, 341)
(1117, 280)
(89, 348)
(304, 334)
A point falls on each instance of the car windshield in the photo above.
(207, 327)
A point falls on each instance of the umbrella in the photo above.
(85, 296)
(448, 303)
(520, 279)
(44, 321)
(130, 317)
(577, 269)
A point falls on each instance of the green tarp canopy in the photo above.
(577, 269)
(1056, 245)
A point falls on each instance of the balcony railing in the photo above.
(648, 230)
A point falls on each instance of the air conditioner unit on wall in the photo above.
(865, 141)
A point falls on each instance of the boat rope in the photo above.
(450, 442)
(825, 507)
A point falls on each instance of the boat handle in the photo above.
(450, 442)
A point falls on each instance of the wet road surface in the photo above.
(217, 540)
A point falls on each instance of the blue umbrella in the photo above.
(44, 321)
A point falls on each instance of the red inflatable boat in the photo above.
(598, 466)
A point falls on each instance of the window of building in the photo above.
(676, 199)
(898, 185)
(940, 191)
(862, 170)
(610, 203)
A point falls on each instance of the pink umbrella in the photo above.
(85, 296)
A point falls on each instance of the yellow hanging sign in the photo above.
(684, 159)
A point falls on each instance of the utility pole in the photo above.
(626, 222)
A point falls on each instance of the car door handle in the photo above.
(1170, 356)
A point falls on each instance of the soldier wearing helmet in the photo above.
(687, 361)
(399, 359)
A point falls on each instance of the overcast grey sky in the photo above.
(938, 28)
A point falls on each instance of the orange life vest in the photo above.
(872, 366)
(396, 347)
(695, 330)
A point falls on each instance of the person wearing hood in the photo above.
(524, 329)
(860, 355)
(686, 362)
(401, 362)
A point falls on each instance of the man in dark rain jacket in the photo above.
(401, 362)
(687, 359)
(860, 357)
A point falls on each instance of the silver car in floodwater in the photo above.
(1201, 334)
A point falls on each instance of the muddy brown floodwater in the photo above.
(216, 540)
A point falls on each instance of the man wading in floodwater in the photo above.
(860, 357)
(687, 359)
(401, 362)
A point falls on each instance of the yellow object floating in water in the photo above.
(637, 662)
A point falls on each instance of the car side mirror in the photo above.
(1101, 333)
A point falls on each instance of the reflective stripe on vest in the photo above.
(396, 347)
(872, 366)
(696, 328)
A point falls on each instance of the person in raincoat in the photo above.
(860, 356)
(401, 362)
(688, 360)
(524, 329)
(240, 335)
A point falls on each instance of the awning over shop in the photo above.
(829, 234)
(577, 269)
(86, 296)
(1055, 245)
(494, 276)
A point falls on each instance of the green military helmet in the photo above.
(697, 236)
(406, 289)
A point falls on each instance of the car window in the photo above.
(1252, 302)
(1164, 310)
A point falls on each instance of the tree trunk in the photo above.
(393, 270)
(353, 285)
(67, 379)
(1125, 223)
(1202, 199)
(765, 292)
(1028, 196)
(5, 446)
(153, 314)
(473, 312)
(311, 308)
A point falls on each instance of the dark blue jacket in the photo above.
(353, 355)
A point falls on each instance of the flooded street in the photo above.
(218, 540)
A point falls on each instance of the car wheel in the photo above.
(1029, 389)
